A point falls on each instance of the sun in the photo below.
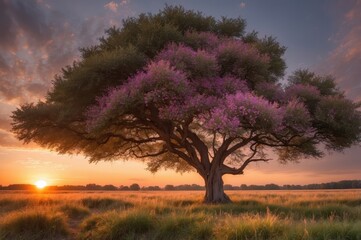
(40, 184)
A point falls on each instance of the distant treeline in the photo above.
(346, 184)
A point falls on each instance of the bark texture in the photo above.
(214, 189)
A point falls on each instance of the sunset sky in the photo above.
(39, 37)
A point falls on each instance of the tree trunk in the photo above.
(214, 189)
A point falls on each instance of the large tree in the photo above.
(185, 91)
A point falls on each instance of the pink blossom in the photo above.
(297, 117)
(242, 111)
(158, 85)
(184, 84)
(195, 63)
(220, 86)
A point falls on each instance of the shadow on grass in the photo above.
(74, 211)
(8, 205)
(103, 204)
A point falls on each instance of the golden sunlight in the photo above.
(40, 184)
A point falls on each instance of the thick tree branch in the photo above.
(252, 158)
(235, 171)
(146, 155)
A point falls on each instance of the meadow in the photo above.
(318, 214)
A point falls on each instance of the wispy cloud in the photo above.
(112, 6)
(36, 41)
(41, 163)
(345, 60)
(242, 5)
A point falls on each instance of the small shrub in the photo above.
(33, 225)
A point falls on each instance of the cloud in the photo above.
(36, 89)
(36, 42)
(124, 2)
(27, 34)
(344, 61)
(5, 122)
(8, 140)
(30, 162)
(112, 6)
(19, 18)
(242, 5)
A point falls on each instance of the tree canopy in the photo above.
(186, 91)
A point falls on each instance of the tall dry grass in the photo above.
(180, 215)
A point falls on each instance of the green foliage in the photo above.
(268, 45)
(90, 77)
(325, 84)
(185, 20)
(150, 33)
(231, 27)
(339, 121)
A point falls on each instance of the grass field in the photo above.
(180, 215)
